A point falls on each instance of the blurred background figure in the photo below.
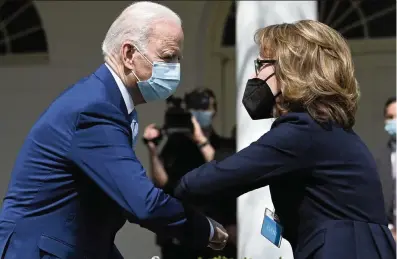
(386, 161)
(190, 142)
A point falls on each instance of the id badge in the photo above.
(271, 229)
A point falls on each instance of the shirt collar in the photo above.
(126, 96)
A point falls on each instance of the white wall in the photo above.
(75, 30)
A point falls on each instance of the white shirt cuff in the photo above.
(211, 230)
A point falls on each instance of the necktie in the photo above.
(134, 126)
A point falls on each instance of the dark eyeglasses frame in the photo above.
(260, 62)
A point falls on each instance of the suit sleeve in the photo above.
(101, 148)
(269, 159)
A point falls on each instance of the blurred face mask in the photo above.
(204, 118)
(163, 82)
(258, 99)
(390, 127)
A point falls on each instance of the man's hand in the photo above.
(219, 240)
(150, 133)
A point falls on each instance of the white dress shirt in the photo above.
(126, 96)
(128, 103)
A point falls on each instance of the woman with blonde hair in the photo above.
(323, 180)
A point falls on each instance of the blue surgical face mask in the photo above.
(390, 127)
(204, 118)
(163, 82)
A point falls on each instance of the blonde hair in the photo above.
(315, 69)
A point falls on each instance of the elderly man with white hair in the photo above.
(77, 179)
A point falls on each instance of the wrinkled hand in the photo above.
(219, 240)
(198, 135)
(150, 133)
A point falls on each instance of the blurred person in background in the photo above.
(184, 152)
(234, 132)
(322, 177)
(386, 162)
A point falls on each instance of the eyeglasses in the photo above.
(260, 62)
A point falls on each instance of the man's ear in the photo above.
(127, 54)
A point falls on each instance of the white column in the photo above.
(252, 15)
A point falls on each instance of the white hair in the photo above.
(135, 24)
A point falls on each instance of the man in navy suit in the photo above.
(77, 179)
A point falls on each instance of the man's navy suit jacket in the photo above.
(324, 186)
(77, 180)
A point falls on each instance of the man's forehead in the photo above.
(169, 46)
(168, 35)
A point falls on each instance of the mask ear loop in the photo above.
(267, 78)
(136, 76)
(140, 52)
